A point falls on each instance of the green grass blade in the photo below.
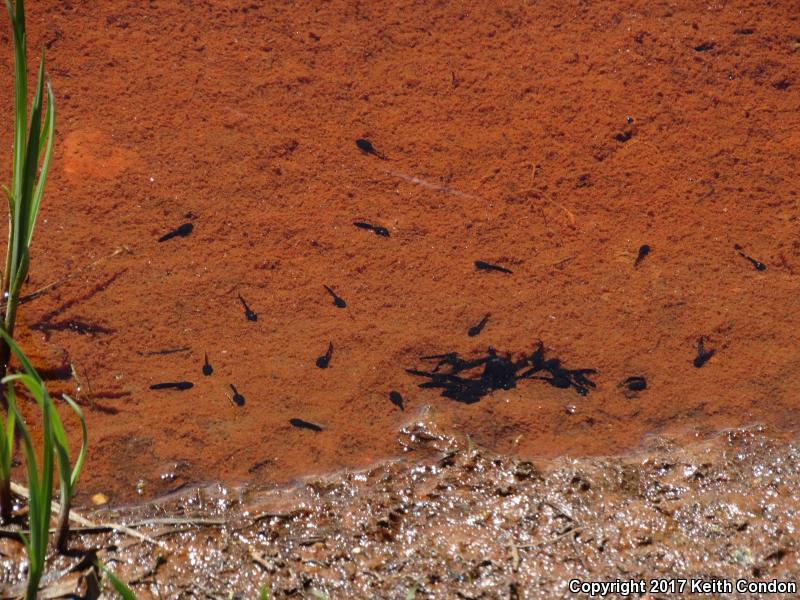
(63, 466)
(28, 181)
(119, 587)
(76, 470)
(34, 135)
(40, 489)
(46, 146)
(24, 201)
(67, 474)
(19, 271)
(60, 437)
(7, 447)
(43, 132)
(55, 436)
(26, 364)
(17, 17)
(412, 592)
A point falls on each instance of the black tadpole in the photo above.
(237, 399)
(182, 231)
(644, 250)
(337, 301)
(367, 148)
(376, 229)
(759, 266)
(485, 266)
(301, 424)
(703, 355)
(476, 329)
(249, 314)
(207, 368)
(176, 385)
(396, 399)
(324, 360)
(635, 383)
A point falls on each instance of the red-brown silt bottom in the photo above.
(552, 139)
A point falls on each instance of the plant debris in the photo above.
(540, 525)
(164, 352)
(76, 325)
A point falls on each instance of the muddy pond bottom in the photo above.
(325, 195)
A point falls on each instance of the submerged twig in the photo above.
(21, 490)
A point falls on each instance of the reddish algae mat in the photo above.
(558, 141)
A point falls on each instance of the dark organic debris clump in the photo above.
(460, 380)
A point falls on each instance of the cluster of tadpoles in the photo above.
(237, 399)
(460, 380)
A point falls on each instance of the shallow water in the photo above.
(552, 139)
